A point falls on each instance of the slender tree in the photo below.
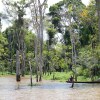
(18, 8)
(37, 13)
(98, 11)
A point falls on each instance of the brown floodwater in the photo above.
(48, 90)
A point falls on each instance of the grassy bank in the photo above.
(58, 76)
(63, 76)
(6, 73)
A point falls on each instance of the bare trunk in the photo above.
(36, 58)
(72, 38)
(0, 25)
(75, 61)
(98, 11)
(30, 73)
(11, 66)
(17, 66)
(22, 53)
(41, 40)
(37, 76)
(37, 11)
(23, 64)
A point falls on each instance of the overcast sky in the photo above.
(50, 2)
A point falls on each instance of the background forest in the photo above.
(54, 45)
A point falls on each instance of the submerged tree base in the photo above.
(35, 84)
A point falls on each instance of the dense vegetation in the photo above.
(72, 46)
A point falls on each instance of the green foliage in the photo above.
(88, 15)
(29, 41)
(64, 17)
(53, 10)
(51, 32)
(3, 47)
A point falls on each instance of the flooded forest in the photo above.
(49, 51)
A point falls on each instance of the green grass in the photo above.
(60, 76)
(7, 73)
(64, 76)
(82, 79)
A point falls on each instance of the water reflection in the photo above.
(54, 86)
(10, 90)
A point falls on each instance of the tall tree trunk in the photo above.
(98, 11)
(75, 61)
(41, 40)
(0, 25)
(17, 66)
(36, 58)
(30, 73)
(23, 64)
(22, 53)
(37, 11)
(10, 53)
(72, 38)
